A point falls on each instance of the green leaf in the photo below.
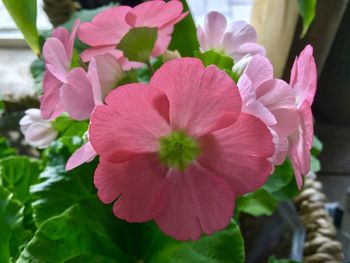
(37, 69)
(315, 164)
(316, 146)
(18, 173)
(12, 234)
(282, 175)
(211, 57)
(273, 259)
(74, 226)
(138, 43)
(184, 37)
(258, 203)
(2, 106)
(5, 148)
(68, 127)
(23, 13)
(307, 10)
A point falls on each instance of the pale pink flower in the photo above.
(84, 91)
(58, 53)
(37, 131)
(271, 100)
(236, 40)
(304, 81)
(179, 150)
(108, 28)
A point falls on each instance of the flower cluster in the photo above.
(180, 148)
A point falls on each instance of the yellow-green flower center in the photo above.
(178, 150)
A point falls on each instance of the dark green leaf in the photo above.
(138, 43)
(184, 37)
(74, 226)
(282, 175)
(258, 203)
(5, 148)
(273, 259)
(213, 58)
(23, 13)
(12, 233)
(18, 173)
(307, 10)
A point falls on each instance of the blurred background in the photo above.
(278, 26)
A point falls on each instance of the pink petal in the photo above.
(134, 183)
(250, 103)
(193, 202)
(104, 73)
(237, 34)
(71, 40)
(214, 29)
(281, 149)
(89, 53)
(154, 14)
(77, 95)
(56, 58)
(300, 144)
(279, 98)
(50, 105)
(304, 76)
(212, 99)
(106, 28)
(162, 43)
(259, 70)
(62, 34)
(82, 155)
(239, 153)
(132, 122)
(248, 48)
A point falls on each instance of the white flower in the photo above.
(38, 132)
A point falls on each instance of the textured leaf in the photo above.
(12, 233)
(68, 127)
(307, 10)
(24, 14)
(184, 37)
(18, 173)
(74, 226)
(317, 146)
(138, 43)
(275, 260)
(258, 203)
(37, 69)
(5, 148)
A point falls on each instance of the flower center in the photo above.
(178, 150)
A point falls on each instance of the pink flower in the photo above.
(236, 39)
(271, 100)
(109, 27)
(179, 150)
(84, 91)
(37, 131)
(304, 81)
(58, 53)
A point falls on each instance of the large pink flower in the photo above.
(108, 28)
(84, 91)
(58, 53)
(179, 150)
(271, 100)
(303, 81)
(237, 39)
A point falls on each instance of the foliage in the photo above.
(307, 10)
(138, 43)
(24, 14)
(273, 259)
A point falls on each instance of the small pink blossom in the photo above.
(37, 131)
(236, 40)
(58, 53)
(84, 91)
(271, 100)
(179, 150)
(109, 27)
(304, 82)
